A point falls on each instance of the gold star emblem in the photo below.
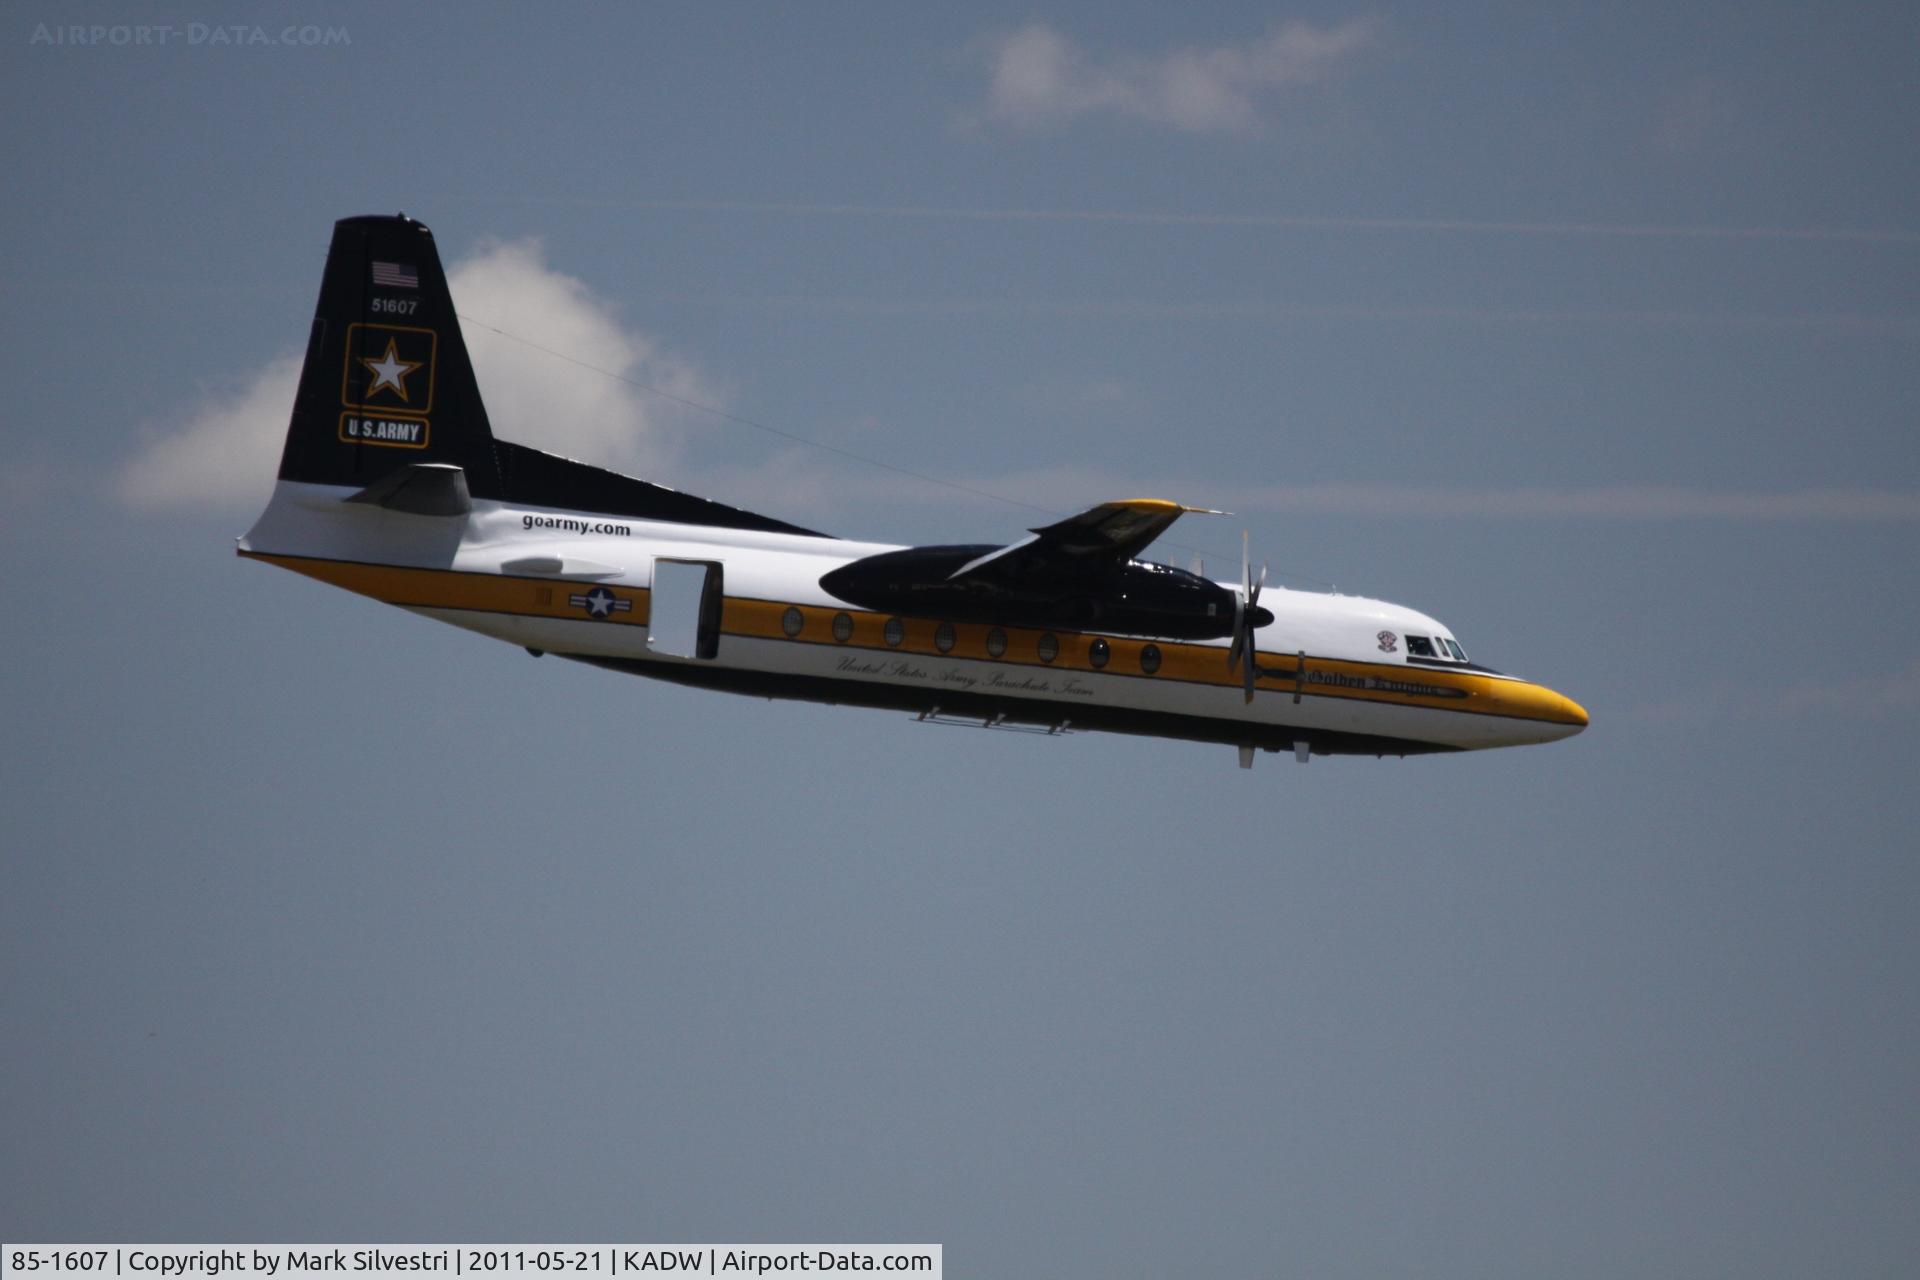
(390, 371)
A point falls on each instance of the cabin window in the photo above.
(896, 632)
(842, 627)
(1098, 652)
(792, 621)
(1419, 647)
(996, 642)
(1049, 647)
(943, 637)
(1150, 658)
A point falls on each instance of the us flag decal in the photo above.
(396, 275)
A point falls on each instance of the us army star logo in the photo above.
(600, 603)
(389, 371)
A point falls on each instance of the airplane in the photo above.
(393, 485)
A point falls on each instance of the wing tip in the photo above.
(1163, 504)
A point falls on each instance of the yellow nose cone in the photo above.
(1557, 716)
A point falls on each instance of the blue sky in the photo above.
(1592, 332)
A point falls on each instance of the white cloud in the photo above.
(224, 451)
(538, 399)
(1038, 77)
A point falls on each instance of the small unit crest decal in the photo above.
(1388, 641)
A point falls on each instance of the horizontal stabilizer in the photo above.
(420, 489)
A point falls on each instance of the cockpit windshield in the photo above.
(1435, 649)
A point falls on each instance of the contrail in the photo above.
(1283, 222)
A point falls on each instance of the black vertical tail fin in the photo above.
(387, 381)
(388, 405)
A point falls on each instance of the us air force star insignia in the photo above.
(600, 603)
(390, 371)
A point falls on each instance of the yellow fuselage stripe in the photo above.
(453, 589)
(749, 618)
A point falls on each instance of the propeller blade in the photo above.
(1242, 653)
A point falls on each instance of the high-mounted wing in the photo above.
(1079, 572)
(1097, 539)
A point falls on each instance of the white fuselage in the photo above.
(1336, 674)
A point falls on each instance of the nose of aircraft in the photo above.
(1550, 716)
